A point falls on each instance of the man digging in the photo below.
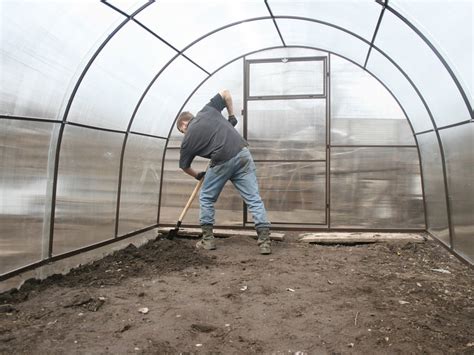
(210, 135)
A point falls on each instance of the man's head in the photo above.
(183, 121)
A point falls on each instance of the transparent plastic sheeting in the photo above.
(376, 188)
(458, 143)
(435, 193)
(45, 45)
(180, 22)
(324, 37)
(362, 110)
(457, 44)
(401, 88)
(110, 91)
(287, 129)
(24, 150)
(356, 16)
(426, 71)
(88, 177)
(163, 101)
(140, 183)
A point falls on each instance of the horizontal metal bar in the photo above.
(72, 253)
(94, 127)
(423, 132)
(148, 135)
(456, 124)
(288, 161)
(287, 97)
(372, 146)
(19, 118)
(291, 59)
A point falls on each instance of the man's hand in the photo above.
(200, 175)
(232, 120)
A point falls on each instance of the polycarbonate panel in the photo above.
(141, 180)
(112, 87)
(287, 78)
(363, 112)
(401, 88)
(414, 56)
(232, 42)
(128, 6)
(287, 52)
(178, 186)
(454, 39)
(359, 16)
(433, 180)
(293, 192)
(287, 129)
(181, 22)
(376, 188)
(323, 37)
(24, 150)
(458, 144)
(45, 44)
(165, 98)
(230, 78)
(86, 197)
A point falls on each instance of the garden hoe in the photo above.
(174, 232)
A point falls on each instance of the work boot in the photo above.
(264, 241)
(207, 241)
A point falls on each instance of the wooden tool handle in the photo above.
(191, 199)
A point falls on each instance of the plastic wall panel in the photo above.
(424, 68)
(401, 89)
(293, 192)
(435, 194)
(141, 180)
(356, 16)
(458, 143)
(181, 22)
(178, 186)
(376, 188)
(45, 44)
(86, 198)
(453, 39)
(363, 112)
(237, 40)
(230, 78)
(113, 85)
(287, 129)
(312, 34)
(127, 6)
(287, 78)
(24, 150)
(163, 101)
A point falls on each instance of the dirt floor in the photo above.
(166, 297)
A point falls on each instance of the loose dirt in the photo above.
(168, 297)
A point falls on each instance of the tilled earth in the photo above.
(168, 297)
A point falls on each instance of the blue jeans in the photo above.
(241, 171)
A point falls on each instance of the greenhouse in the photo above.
(358, 115)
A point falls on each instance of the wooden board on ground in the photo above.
(220, 233)
(359, 237)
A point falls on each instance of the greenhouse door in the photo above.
(285, 110)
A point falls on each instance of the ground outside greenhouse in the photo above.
(166, 297)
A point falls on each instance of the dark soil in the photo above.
(167, 297)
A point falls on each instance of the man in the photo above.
(210, 135)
